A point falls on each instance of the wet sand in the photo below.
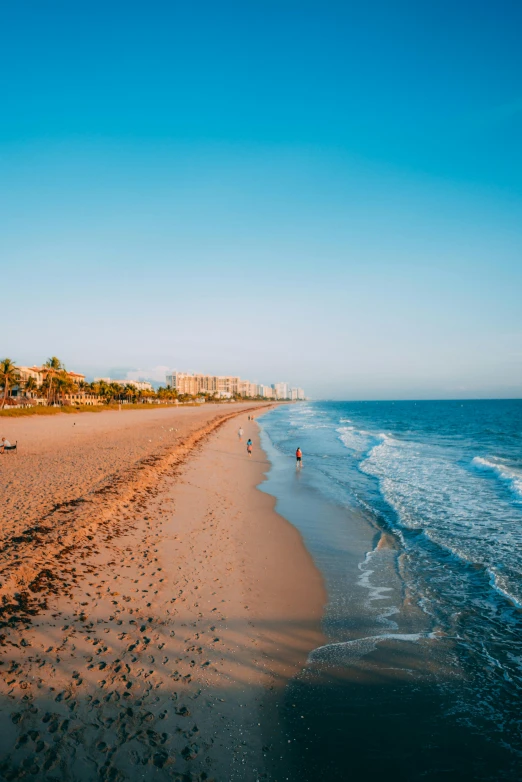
(383, 698)
(175, 604)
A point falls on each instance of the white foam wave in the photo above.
(454, 507)
(498, 582)
(360, 647)
(364, 579)
(509, 474)
(358, 440)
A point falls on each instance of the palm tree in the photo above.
(30, 386)
(83, 388)
(9, 376)
(52, 367)
(64, 385)
(103, 389)
(114, 390)
(90, 390)
(130, 391)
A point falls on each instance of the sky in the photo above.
(323, 193)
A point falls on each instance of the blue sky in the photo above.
(325, 193)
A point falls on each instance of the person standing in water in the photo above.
(240, 432)
(249, 446)
(298, 458)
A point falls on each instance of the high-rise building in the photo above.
(228, 386)
(193, 384)
(282, 390)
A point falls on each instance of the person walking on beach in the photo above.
(298, 459)
(240, 433)
(249, 446)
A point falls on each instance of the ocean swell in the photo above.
(507, 473)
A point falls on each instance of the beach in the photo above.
(173, 608)
(408, 510)
(154, 604)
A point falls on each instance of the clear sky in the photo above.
(327, 193)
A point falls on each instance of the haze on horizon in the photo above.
(324, 193)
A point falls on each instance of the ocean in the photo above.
(413, 513)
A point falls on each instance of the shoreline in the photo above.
(43, 410)
(190, 609)
(392, 691)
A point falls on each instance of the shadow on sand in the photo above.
(135, 714)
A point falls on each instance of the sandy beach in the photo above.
(154, 603)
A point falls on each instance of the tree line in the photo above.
(57, 386)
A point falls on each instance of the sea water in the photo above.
(439, 486)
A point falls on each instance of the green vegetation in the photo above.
(8, 377)
(56, 380)
(63, 395)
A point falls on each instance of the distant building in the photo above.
(38, 374)
(282, 390)
(139, 385)
(226, 386)
(83, 398)
(296, 393)
(76, 377)
(242, 388)
(222, 386)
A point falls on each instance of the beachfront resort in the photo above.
(52, 384)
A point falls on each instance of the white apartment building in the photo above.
(223, 386)
(226, 386)
(281, 390)
(296, 393)
(139, 385)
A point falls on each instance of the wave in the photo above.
(360, 647)
(359, 440)
(434, 495)
(500, 584)
(508, 474)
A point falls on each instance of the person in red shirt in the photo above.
(299, 458)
